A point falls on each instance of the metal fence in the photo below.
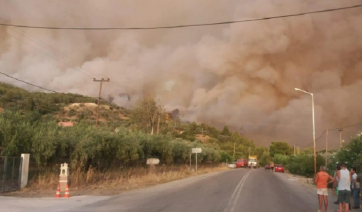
(10, 173)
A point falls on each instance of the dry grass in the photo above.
(112, 182)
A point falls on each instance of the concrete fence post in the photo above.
(24, 171)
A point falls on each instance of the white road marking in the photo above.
(233, 199)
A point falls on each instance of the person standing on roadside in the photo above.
(335, 184)
(272, 166)
(344, 188)
(355, 189)
(321, 180)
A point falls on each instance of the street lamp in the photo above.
(315, 157)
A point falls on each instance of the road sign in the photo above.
(196, 150)
(152, 161)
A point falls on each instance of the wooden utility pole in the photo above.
(294, 148)
(99, 96)
(327, 148)
(234, 152)
(340, 138)
(158, 123)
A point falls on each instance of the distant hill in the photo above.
(74, 108)
(62, 106)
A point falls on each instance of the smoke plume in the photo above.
(242, 75)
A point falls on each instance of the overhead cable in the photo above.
(178, 26)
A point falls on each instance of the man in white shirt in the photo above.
(344, 188)
(355, 188)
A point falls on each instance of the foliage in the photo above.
(14, 98)
(225, 131)
(351, 153)
(302, 164)
(225, 157)
(264, 159)
(280, 147)
(259, 151)
(281, 159)
(123, 137)
(308, 150)
(146, 114)
(85, 145)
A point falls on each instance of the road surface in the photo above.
(237, 190)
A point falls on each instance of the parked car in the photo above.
(279, 168)
(232, 165)
(267, 166)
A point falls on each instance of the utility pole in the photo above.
(234, 152)
(158, 123)
(327, 147)
(99, 96)
(294, 148)
(340, 138)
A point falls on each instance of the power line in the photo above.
(20, 80)
(338, 128)
(28, 83)
(177, 26)
(346, 126)
(316, 139)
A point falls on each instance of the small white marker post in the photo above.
(196, 150)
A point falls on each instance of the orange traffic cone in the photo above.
(57, 195)
(66, 194)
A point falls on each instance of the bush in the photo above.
(85, 145)
(225, 157)
(303, 164)
(72, 112)
(281, 159)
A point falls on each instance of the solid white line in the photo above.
(238, 188)
(239, 192)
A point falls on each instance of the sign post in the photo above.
(152, 162)
(196, 150)
(190, 161)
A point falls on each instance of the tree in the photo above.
(280, 147)
(225, 131)
(308, 150)
(264, 159)
(351, 153)
(259, 151)
(145, 115)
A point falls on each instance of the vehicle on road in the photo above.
(232, 165)
(267, 166)
(252, 161)
(240, 163)
(279, 168)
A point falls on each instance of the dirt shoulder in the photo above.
(309, 182)
(111, 187)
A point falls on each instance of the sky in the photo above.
(241, 75)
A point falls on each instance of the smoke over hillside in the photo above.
(241, 75)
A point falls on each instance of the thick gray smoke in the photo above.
(241, 75)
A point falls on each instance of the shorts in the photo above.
(344, 196)
(322, 191)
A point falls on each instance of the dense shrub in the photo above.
(302, 164)
(85, 145)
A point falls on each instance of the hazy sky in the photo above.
(241, 75)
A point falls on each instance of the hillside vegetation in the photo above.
(28, 123)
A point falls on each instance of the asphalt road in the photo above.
(237, 190)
